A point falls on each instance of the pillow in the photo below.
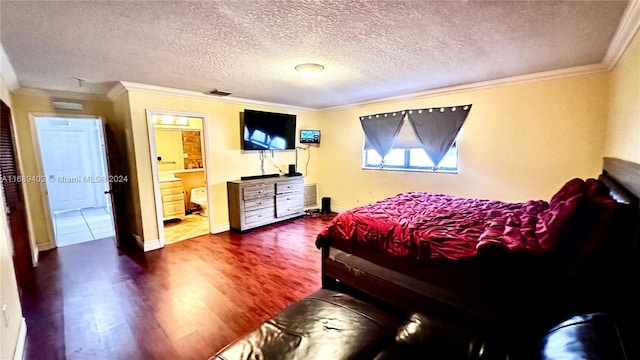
(570, 189)
(561, 219)
(595, 188)
(602, 226)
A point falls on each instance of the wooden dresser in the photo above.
(259, 202)
(172, 199)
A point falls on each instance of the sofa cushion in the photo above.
(325, 325)
(422, 336)
(590, 336)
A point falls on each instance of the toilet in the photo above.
(199, 197)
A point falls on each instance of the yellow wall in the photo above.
(41, 104)
(131, 222)
(190, 180)
(623, 130)
(224, 155)
(8, 286)
(519, 142)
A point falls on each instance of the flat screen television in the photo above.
(263, 130)
(310, 136)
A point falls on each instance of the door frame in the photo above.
(208, 174)
(40, 167)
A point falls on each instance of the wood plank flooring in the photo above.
(185, 301)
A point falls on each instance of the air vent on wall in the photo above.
(310, 196)
(67, 105)
(219, 92)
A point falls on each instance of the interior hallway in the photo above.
(82, 225)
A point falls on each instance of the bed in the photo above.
(490, 260)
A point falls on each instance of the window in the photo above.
(411, 159)
(407, 153)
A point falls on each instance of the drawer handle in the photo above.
(260, 203)
(259, 191)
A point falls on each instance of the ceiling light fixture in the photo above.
(309, 71)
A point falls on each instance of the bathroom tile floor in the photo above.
(82, 225)
(191, 226)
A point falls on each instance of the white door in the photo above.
(69, 167)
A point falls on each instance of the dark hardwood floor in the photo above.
(185, 301)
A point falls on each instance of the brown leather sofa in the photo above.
(334, 325)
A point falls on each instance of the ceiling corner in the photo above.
(627, 29)
(117, 90)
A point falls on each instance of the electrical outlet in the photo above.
(5, 315)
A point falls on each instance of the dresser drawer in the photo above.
(259, 216)
(254, 192)
(259, 203)
(172, 191)
(289, 206)
(172, 197)
(173, 208)
(283, 187)
(292, 196)
(170, 184)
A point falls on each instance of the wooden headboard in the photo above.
(623, 178)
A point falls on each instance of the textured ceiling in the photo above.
(370, 49)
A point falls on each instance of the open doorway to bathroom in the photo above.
(180, 177)
(74, 171)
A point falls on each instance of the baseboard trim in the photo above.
(152, 245)
(22, 341)
(36, 256)
(138, 240)
(47, 246)
(338, 209)
(146, 245)
(221, 228)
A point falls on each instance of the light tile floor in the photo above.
(193, 225)
(82, 225)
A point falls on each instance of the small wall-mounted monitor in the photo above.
(310, 136)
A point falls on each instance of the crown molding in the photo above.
(130, 86)
(6, 69)
(514, 80)
(61, 94)
(627, 29)
(115, 92)
(123, 86)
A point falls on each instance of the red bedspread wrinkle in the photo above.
(433, 226)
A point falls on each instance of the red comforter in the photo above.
(432, 226)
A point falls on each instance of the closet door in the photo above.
(14, 198)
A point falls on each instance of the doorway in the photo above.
(73, 159)
(178, 153)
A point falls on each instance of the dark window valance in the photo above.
(437, 128)
(381, 130)
(434, 128)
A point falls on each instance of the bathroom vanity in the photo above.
(172, 191)
(260, 202)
